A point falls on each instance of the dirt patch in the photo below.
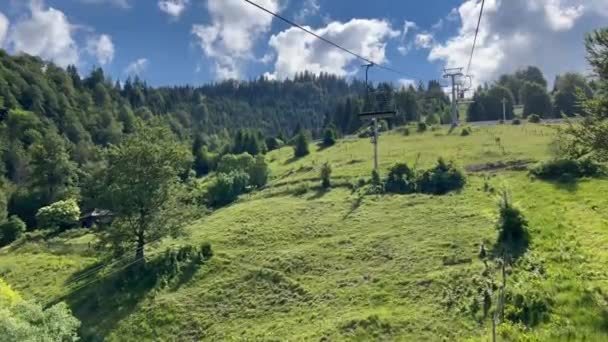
(510, 165)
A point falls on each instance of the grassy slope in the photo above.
(322, 265)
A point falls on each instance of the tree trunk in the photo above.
(139, 252)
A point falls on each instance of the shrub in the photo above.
(175, 261)
(422, 127)
(443, 178)
(300, 148)
(259, 172)
(534, 118)
(329, 136)
(60, 215)
(256, 168)
(512, 225)
(376, 178)
(516, 122)
(232, 162)
(433, 119)
(325, 176)
(400, 180)
(11, 230)
(405, 131)
(567, 169)
(529, 306)
(466, 131)
(28, 321)
(227, 188)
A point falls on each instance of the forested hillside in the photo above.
(55, 124)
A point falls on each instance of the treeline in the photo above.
(528, 88)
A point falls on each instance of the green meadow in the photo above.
(293, 262)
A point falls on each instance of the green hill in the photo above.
(292, 262)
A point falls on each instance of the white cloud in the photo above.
(406, 82)
(3, 28)
(309, 8)
(547, 33)
(102, 48)
(405, 46)
(45, 33)
(137, 67)
(118, 3)
(235, 27)
(298, 51)
(438, 25)
(424, 40)
(174, 8)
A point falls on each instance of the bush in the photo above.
(60, 215)
(227, 188)
(232, 162)
(259, 172)
(567, 169)
(329, 136)
(405, 131)
(11, 230)
(445, 177)
(530, 306)
(466, 131)
(325, 176)
(512, 225)
(422, 127)
(256, 168)
(516, 122)
(28, 321)
(400, 180)
(534, 118)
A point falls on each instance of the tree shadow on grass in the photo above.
(353, 207)
(569, 185)
(321, 147)
(291, 160)
(100, 305)
(511, 248)
(186, 275)
(319, 193)
(102, 302)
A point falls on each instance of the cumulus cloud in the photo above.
(309, 8)
(235, 27)
(297, 51)
(3, 28)
(174, 8)
(137, 67)
(102, 48)
(45, 33)
(547, 33)
(424, 40)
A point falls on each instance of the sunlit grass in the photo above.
(330, 265)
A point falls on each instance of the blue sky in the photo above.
(171, 42)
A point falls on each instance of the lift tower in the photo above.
(454, 74)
